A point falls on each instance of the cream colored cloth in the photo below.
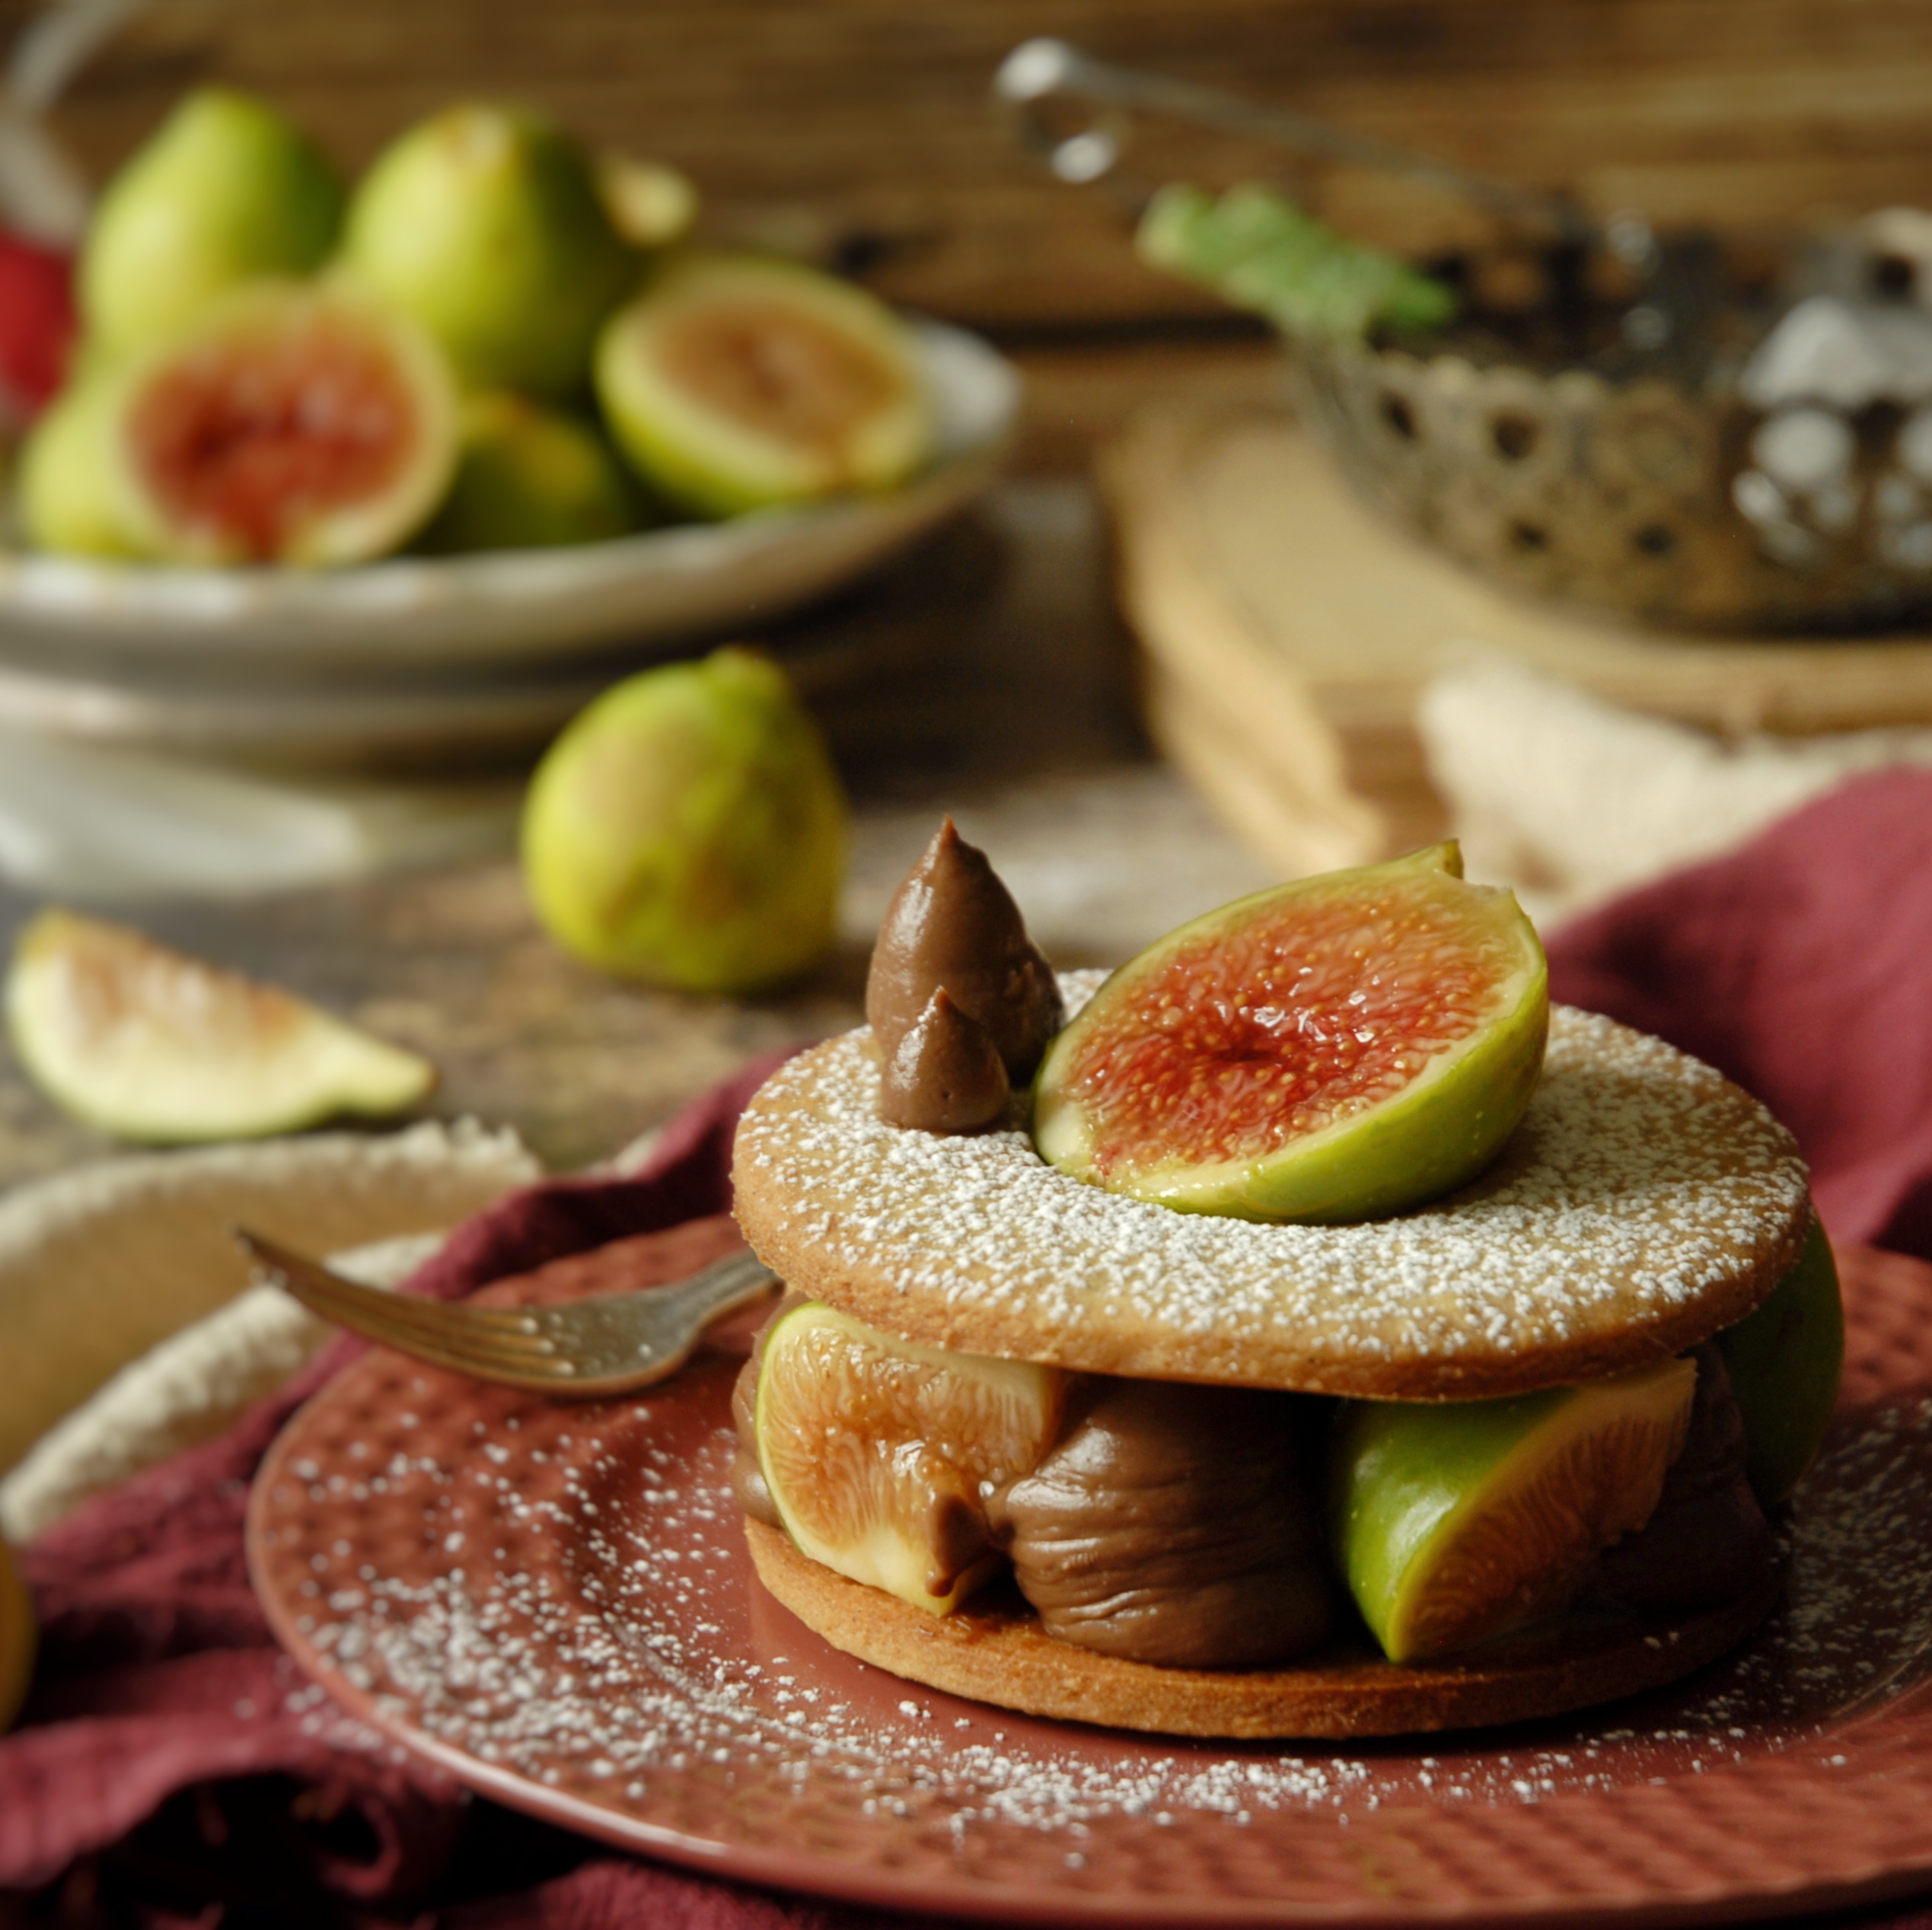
(194, 1383)
(1571, 799)
(128, 1328)
(186, 1389)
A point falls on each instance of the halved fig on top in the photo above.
(736, 383)
(1336, 1049)
(289, 425)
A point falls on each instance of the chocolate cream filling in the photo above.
(1707, 1540)
(1173, 1523)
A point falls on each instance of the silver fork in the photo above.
(603, 1346)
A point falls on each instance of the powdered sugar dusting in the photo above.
(597, 1635)
(1639, 1182)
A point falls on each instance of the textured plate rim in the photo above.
(806, 1872)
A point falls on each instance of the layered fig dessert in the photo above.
(1304, 1331)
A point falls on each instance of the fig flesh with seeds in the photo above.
(1453, 1522)
(734, 383)
(289, 424)
(1342, 1047)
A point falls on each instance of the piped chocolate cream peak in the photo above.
(953, 924)
(945, 1074)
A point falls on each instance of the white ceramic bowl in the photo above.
(422, 619)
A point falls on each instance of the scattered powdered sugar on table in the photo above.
(1637, 1179)
(638, 1666)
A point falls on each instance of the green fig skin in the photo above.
(68, 503)
(650, 204)
(688, 828)
(1404, 1476)
(1398, 1473)
(271, 321)
(1435, 1135)
(530, 478)
(225, 192)
(1785, 1361)
(815, 337)
(486, 225)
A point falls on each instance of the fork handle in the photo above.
(726, 1285)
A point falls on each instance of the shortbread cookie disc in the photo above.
(1644, 1203)
(994, 1651)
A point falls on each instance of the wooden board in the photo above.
(1287, 633)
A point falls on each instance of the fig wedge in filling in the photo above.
(877, 1453)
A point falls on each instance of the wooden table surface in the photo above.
(986, 673)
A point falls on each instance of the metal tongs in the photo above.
(1039, 72)
(1675, 274)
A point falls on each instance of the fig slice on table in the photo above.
(877, 1452)
(734, 383)
(289, 424)
(147, 1043)
(1459, 1520)
(1338, 1048)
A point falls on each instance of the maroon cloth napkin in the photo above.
(174, 1769)
(1801, 965)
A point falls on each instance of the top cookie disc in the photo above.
(1644, 1203)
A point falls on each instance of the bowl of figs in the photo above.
(493, 404)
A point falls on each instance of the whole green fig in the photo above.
(688, 828)
(486, 225)
(225, 191)
(530, 478)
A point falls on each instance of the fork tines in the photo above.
(500, 1343)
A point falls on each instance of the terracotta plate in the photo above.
(556, 1604)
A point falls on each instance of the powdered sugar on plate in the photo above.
(556, 1602)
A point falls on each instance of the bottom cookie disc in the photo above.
(995, 1651)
